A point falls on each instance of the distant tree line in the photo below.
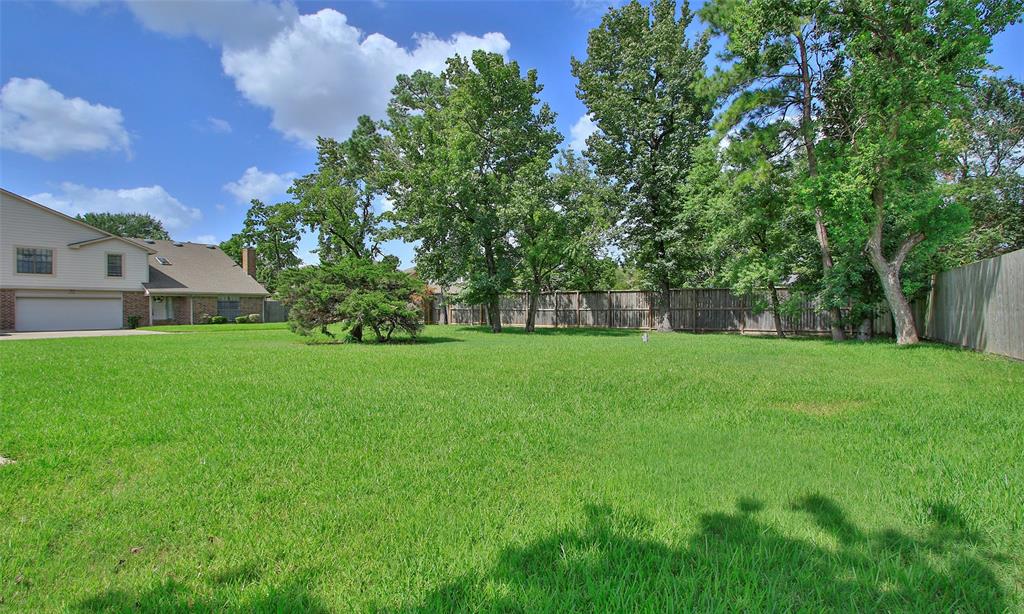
(843, 148)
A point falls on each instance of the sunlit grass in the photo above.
(569, 470)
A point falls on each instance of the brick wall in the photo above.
(251, 304)
(203, 305)
(6, 309)
(182, 315)
(135, 304)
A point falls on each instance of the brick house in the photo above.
(59, 273)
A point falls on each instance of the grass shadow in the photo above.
(734, 562)
(234, 591)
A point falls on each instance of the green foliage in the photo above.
(241, 319)
(987, 175)
(337, 200)
(459, 143)
(133, 321)
(254, 318)
(218, 320)
(273, 231)
(130, 225)
(356, 293)
(758, 231)
(560, 223)
(642, 84)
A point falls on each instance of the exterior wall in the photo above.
(180, 311)
(203, 305)
(208, 305)
(6, 309)
(135, 304)
(251, 304)
(84, 268)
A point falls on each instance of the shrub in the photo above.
(218, 320)
(356, 293)
(242, 320)
(204, 318)
(133, 321)
(254, 318)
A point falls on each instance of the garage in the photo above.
(66, 313)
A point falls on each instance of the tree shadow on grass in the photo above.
(735, 562)
(235, 590)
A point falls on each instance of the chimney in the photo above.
(249, 261)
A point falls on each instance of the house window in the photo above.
(229, 307)
(35, 260)
(115, 265)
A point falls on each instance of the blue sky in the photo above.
(186, 110)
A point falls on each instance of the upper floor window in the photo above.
(35, 260)
(115, 265)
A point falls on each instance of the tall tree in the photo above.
(273, 231)
(131, 225)
(987, 176)
(756, 225)
(640, 83)
(459, 142)
(778, 56)
(337, 201)
(559, 222)
(905, 63)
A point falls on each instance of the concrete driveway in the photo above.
(62, 334)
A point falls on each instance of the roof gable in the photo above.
(196, 268)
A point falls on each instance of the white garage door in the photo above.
(38, 313)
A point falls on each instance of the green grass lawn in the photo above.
(569, 470)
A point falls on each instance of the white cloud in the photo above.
(217, 124)
(319, 74)
(266, 186)
(235, 24)
(207, 239)
(38, 120)
(74, 199)
(316, 73)
(583, 128)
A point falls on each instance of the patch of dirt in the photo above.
(6, 461)
(823, 408)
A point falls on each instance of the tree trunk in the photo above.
(494, 313)
(494, 301)
(664, 321)
(889, 272)
(356, 332)
(774, 295)
(821, 231)
(531, 314)
(866, 330)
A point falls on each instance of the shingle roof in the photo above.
(195, 268)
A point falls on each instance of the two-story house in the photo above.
(59, 273)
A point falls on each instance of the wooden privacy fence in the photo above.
(690, 309)
(274, 311)
(980, 306)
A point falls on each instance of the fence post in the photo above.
(578, 322)
(696, 309)
(609, 309)
(556, 308)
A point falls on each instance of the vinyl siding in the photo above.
(85, 268)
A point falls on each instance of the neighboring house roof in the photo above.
(107, 236)
(196, 268)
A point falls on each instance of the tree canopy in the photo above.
(129, 225)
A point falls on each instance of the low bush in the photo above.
(204, 318)
(218, 320)
(254, 318)
(133, 321)
(242, 320)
